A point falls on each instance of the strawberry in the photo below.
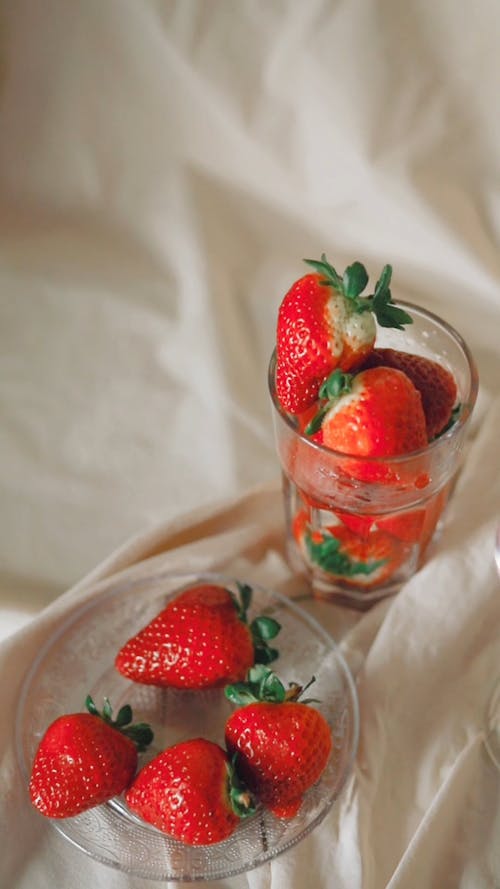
(85, 759)
(281, 745)
(200, 640)
(324, 323)
(406, 526)
(433, 511)
(300, 524)
(375, 413)
(435, 383)
(191, 792)
(364, 562)
(359, 524)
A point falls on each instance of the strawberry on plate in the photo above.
(85, 759)
(324, 323)
(200, 640)
(281, 745)
(435, 383)
(191, 792)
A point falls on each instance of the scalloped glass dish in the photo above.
(79, 659)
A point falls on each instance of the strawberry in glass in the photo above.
(372, 399)
(325, 323)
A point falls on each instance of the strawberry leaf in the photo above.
(240, 693)
(352, 284)
(316, 423)
(243, 601)
(335, 385)
(264, 654)
(91, 707)
(263, 629)
(330, 276)
(330, 557)
(383, 283)
(271, 688)
(354, 280)
(141, 733)
(242, 801)
(386, 313)
(124, 716)
(266, 627)
(245, 591)
(261, 685)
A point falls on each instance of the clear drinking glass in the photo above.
(359, 527)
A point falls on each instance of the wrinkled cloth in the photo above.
(422, 805)
(164, 168)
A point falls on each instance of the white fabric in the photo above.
(164, 167)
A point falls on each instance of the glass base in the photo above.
(357, 559)
(358, 601)
(329, 591)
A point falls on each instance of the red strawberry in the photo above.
(324, 323)
(435, 383)
(281, 745)
(299, 524)
(359, 524)
(190, 791)
(375, 413)
(365, 562)
(405, 526)
(433, 511)
(200, 640)
(85, 759)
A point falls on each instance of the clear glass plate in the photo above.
(79, 659)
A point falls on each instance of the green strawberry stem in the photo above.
(335, 385)
(263, 685)
(263, 629)
(351, 285)
(141, 733)
(330, 557)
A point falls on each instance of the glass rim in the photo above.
(434, 445)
